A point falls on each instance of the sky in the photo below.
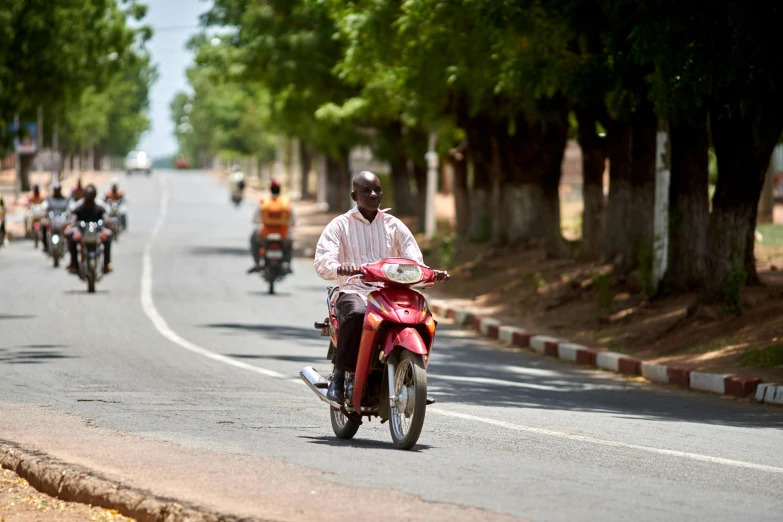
(174, 22)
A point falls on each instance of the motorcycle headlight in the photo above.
(55, 240)
(404, 274)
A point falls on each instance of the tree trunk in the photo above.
(97, 160)
(25, 165)
(404, 203)
(306, 158)
(420, 173)
(555, 137)
(593, 166)
(523, 195)
(334, 174)
(479, 139)
(689, 207)
(617, 237)
(461, 195)
(643, 150)
(742, 165)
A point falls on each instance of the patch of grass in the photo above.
(769, 357)
(772, 234)
(534, 280)
(447, 252)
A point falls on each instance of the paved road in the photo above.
(180, 349)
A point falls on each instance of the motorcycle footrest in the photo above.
(319, 325)
(430, 400)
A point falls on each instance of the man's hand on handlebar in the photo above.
(441, 275)
(348, 269)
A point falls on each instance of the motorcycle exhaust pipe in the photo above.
(316, 382)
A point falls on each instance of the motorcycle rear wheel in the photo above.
(271, 286)
(56, 260)
(343, 427)
(91, 283)
(410, 385)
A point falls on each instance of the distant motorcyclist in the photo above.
(89, 210)
(56, 203)
(115, 195)
(238, 178)
(36, 198)
(238, 185)
(78, 191)
(275, 216)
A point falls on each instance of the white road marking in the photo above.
(592, 440)
(157, 320)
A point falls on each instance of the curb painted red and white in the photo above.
(723, 384)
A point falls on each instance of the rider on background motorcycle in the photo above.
(89, 210)
(276, 216)
(78, 191)
(36, 198)
(56, 203)
(115, 195)
(364, 234)
(238, 178)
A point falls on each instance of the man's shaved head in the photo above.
(363, 178)
(367, 193)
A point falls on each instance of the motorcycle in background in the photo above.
(118, 219)
(390, 381)
(56, 237)
(273, 257)
(34, 217)
(90, 235)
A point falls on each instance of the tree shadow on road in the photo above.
(464, 371)
(287, 358)
(13, 316)
(271, 331)
(33, 354)
(220, 251)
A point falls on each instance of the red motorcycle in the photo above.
(391, 378)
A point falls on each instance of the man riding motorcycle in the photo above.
(276, 216)
(115, 195)
(364, 234)
(56, 203)
(89, 209)
(78, 191)
(36, 198)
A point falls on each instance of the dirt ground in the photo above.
(583, 303)
(20, 502)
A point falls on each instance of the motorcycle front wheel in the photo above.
(410, 388)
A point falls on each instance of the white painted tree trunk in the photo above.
(661, 216)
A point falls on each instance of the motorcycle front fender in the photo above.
(406, 338)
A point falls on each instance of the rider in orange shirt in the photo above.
(36, 198)
(275, 216)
